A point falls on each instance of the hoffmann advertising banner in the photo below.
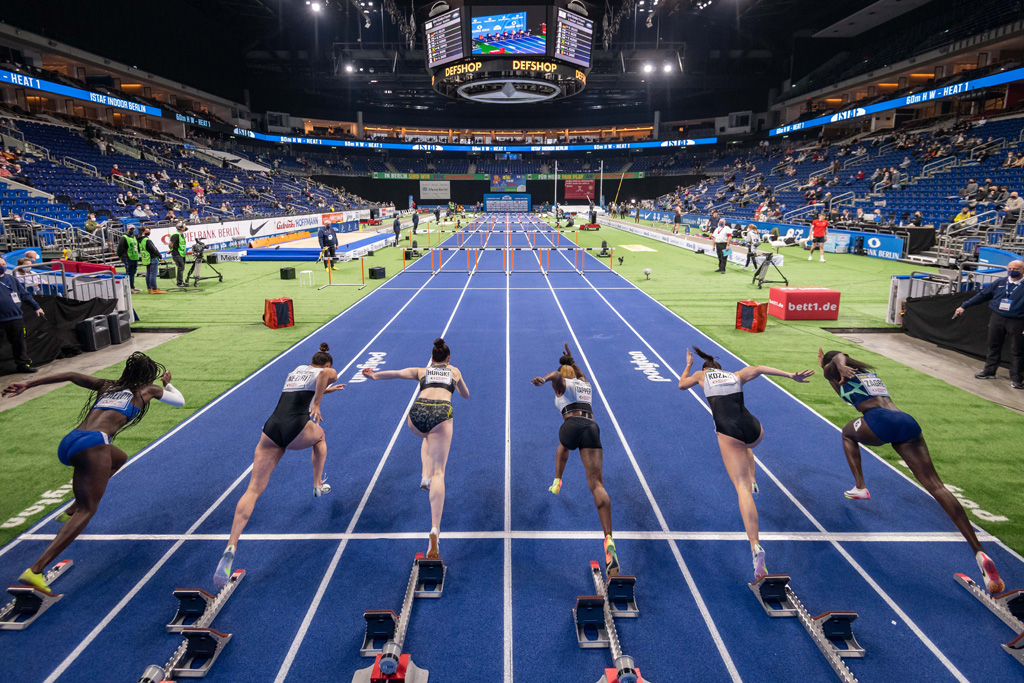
(214, 234)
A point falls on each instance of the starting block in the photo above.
(589, 617)
(29, 603)
(201, 645)
(430, 581)
(621, 596)
(831, 631)
(380, 628)
(1008, 606)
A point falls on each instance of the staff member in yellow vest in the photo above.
(149, 257)
(178, 253)
(128, 252)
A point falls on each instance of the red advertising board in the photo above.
(579, 189)
(803, 303)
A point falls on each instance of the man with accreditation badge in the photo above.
(1006, 297)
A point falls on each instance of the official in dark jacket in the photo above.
(328, 238)
(12, 322)
(1006, 299)
(415, 221)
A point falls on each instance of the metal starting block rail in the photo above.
(1008, 606)
(29, 603)
(595, 623)
(201, 645)
(832, 631)
(385, 630)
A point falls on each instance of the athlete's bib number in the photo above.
(872, 385)
(298, 380)
(583, 393)
(439, 376)
(713, 378)
(118, 401)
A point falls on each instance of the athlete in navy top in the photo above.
(882, 422)
(114, 406)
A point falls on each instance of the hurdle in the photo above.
(594, 617)
(831, 631)
(362, 277)
(1008, 606)
(201, 645)
(29, 603)
(385, 631)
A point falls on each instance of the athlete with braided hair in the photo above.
(738, 432)
(580, 431)
(113, 406)
(883, 423)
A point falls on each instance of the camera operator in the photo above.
(178, 249)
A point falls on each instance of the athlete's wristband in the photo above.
(172, 396)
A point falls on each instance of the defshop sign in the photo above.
(803, 303)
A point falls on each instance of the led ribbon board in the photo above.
(39, 84)
(909, 100)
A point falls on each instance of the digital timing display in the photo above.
(509, 30)
(444, 38)
(574, 38)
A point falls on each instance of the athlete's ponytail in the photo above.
(323, 357)
(709, 361)
(441, 352)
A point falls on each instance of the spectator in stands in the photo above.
(91, 225)
(149, 213)
(156, 191)
(964, 215)
(101, 146)
(1013, 206)
(970, 190)
(905, 164)
(128, 252)
(895, 178)
(1006, 297)
(149, 258)
(130, 199)
(874, 217)
(24, 273)
(12, 294)
(115, 171)
(120, 201)
(139, 213)
(193, 217)
(917, 220)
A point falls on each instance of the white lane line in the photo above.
(293, 649)
(508, 487)
(541, 534)
(842, 551)
(138, 586)
(683, 567)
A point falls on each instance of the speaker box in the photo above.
(94, 333)
(120, 325)
(165, 272)
(377, 273)
(288, 273)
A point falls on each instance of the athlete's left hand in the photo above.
(336, 387)
(15, 388)
(802, 376)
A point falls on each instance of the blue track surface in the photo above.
(517, 556)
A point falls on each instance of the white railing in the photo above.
(150, 156)
(128, 183)
(786, 185)
(81, 166)
(181, 198)
(803, 211)
(55, 221)
(127, 150)
(987, 146)
(38, 149)
(934, 167)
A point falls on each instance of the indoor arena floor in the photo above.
(517, 556)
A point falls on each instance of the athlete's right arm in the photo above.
(405, 373)
(84, 381)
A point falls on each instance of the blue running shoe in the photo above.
(223, 572)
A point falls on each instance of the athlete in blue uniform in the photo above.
(738, 432)
(580, 431)
(884, 423)
(293, 426)
(113, 406)
(430, 418)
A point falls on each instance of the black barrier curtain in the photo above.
(931, 318)
(54, 335)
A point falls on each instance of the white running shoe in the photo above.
(810, 258)
(425, 484)
(324, 487)
(433, 550)
(822, 260)
(857, 494)
(759, 569)
(223, 571)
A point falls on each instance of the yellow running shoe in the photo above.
(33, 580)
(611, 558)
(556, 486)
(63, 517)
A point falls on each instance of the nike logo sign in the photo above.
(253, 231)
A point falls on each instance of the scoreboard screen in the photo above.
(444, 38)
(574, 37)
(510, 30)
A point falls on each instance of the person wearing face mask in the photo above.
(1006, 299)
(12, 322)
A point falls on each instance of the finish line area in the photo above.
(506, 293)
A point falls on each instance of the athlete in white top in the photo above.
(294, 426)
(738, 432)
(580, 431)
(430, 418)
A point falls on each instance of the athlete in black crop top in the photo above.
(113, 406)
(430, 418)
(738, 432)
(881, 423)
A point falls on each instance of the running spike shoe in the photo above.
(223, 571)
(858, 494)
(425, 484)
(31, 579)
(556, 486)
(433, 550)
(993, 584)
(760, 571)
(611, 558)
(63, 517)
(324, 487)
(753, 488)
